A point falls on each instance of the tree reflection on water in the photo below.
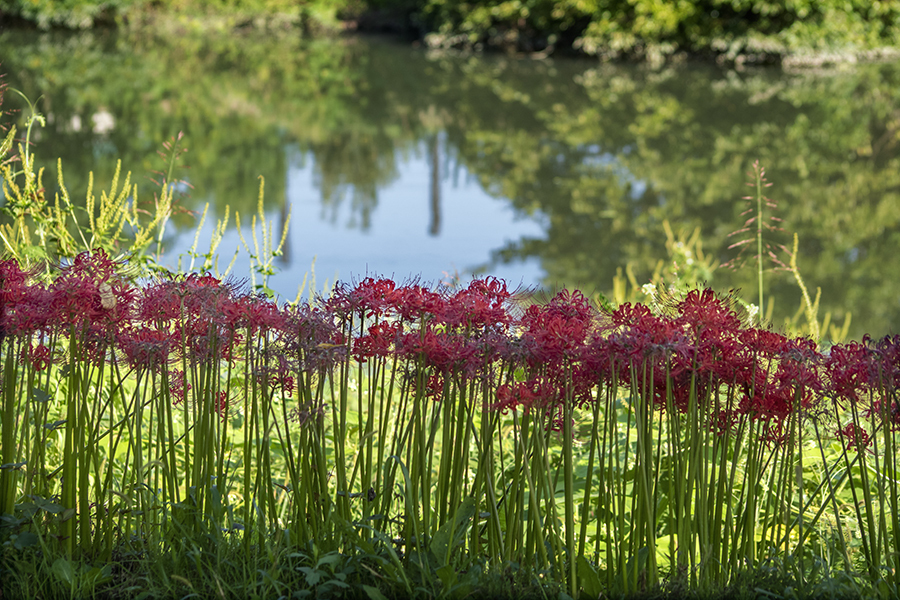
(601, 154)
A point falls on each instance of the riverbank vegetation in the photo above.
(729, 30)
(175, 435)
(603, 155)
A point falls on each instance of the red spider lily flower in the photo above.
(160, 302)
(480, 305)
(724, 421)
(848, 371)
(28, 312)
(378, 341)
(555, 332)
(707, 314)
(221, 403)
(146, 348)
(886, 367)
(536, 393)
(254, 312)
(415, 303)
(40, 357)
(13, 291)
(715, 331)
(640, 342)
(89, 293)
(369, 298)
(285, 382)
(309, 340)
(446, 352)
(434, 386)
(178, 386)
(196, 300)
(889, 413)
(854, 436)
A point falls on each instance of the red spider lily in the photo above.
(724, 421)
(309, 339)
(89, 293)
(480, 305)
(446, 352)
(848, 369)
(715, 329)
(28, 312)
(378, 341)
(251, 312)
(285, 382)
(13, 291)
(434, 386)
(638, 342)
(178, 386)
(40, 357)
(854, 436)
(146, 348)
(707, 315)
(533, 393)
(221, 404)
(415, 303)
(369, 298)
(555, 332)
(887, 374)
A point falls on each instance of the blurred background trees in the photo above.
(758, 30)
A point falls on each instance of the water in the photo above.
(548, 173)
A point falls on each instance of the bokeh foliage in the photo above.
(732, 29)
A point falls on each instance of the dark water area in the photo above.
(392, 160)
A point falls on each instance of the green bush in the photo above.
(72, 14)
(638, 27)
(762, 29)
(84, 14)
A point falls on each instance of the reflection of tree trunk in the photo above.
(285, 257)
(435, 228)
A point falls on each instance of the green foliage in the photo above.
(732, 29)
(73, 14)
(675, 144)
(639, 28)
(85, 14)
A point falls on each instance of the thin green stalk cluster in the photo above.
(439, 432)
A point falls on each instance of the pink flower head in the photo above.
(707, 314)
(310, 340)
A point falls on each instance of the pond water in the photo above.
(395, 161)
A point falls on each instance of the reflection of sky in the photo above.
(397, 244)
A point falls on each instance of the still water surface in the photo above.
(547, 173)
